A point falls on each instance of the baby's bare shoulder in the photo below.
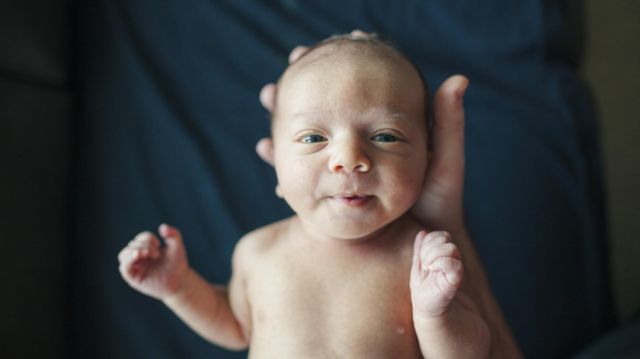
(260, 241)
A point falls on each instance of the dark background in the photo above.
(37, 109)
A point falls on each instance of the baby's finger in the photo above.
(172, 238)
(137, 261)
(133, 273)
(128, 252)
(451, 271)
(417, 245)
(138, 269)
(127, 261)
(123, 254)
(132, 254)
(432, 240)
(147, 252)
(152, 240)
(144, 238)
(138, 247)
(445, 250)
(124, 270)
(415, 276)
(128, 256)
(154, 252)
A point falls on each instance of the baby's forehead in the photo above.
(352, 53)
(339, 72)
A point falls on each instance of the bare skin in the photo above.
(342, 300)
(314, 286)
(440, 203)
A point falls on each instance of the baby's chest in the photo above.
(351, 306)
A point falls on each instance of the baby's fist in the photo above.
(152, 269)
(436, 273)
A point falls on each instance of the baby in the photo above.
(351, 275)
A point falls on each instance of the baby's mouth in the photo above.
(355, 200)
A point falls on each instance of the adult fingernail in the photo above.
(460, 91)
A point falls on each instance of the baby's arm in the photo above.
(446, 321)
(164, 273)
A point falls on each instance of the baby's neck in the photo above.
(307, 232)
(387, 243)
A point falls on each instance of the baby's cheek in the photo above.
(404, 191)
(297, 186)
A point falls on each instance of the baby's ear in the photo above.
(264, 149)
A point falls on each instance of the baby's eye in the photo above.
(384, 137)
(312, 139)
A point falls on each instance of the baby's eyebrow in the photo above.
(308, 114)
(380, 112)
(387, 113)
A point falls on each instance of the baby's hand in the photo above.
(154, 270)
(436, 274)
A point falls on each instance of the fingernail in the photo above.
(461, 91)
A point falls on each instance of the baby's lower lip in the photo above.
(355, 201)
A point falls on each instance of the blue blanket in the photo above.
(169, 116)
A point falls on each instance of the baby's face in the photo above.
(350, 142)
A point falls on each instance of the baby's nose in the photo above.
(348, 157)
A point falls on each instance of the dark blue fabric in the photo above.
(623, 343)
(169, 117)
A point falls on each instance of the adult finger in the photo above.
(297, 52)
(264, 149)
(268, 96)
(359, 34)
(447, 164)
(268, 91)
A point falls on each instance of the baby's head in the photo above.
(350, 136)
